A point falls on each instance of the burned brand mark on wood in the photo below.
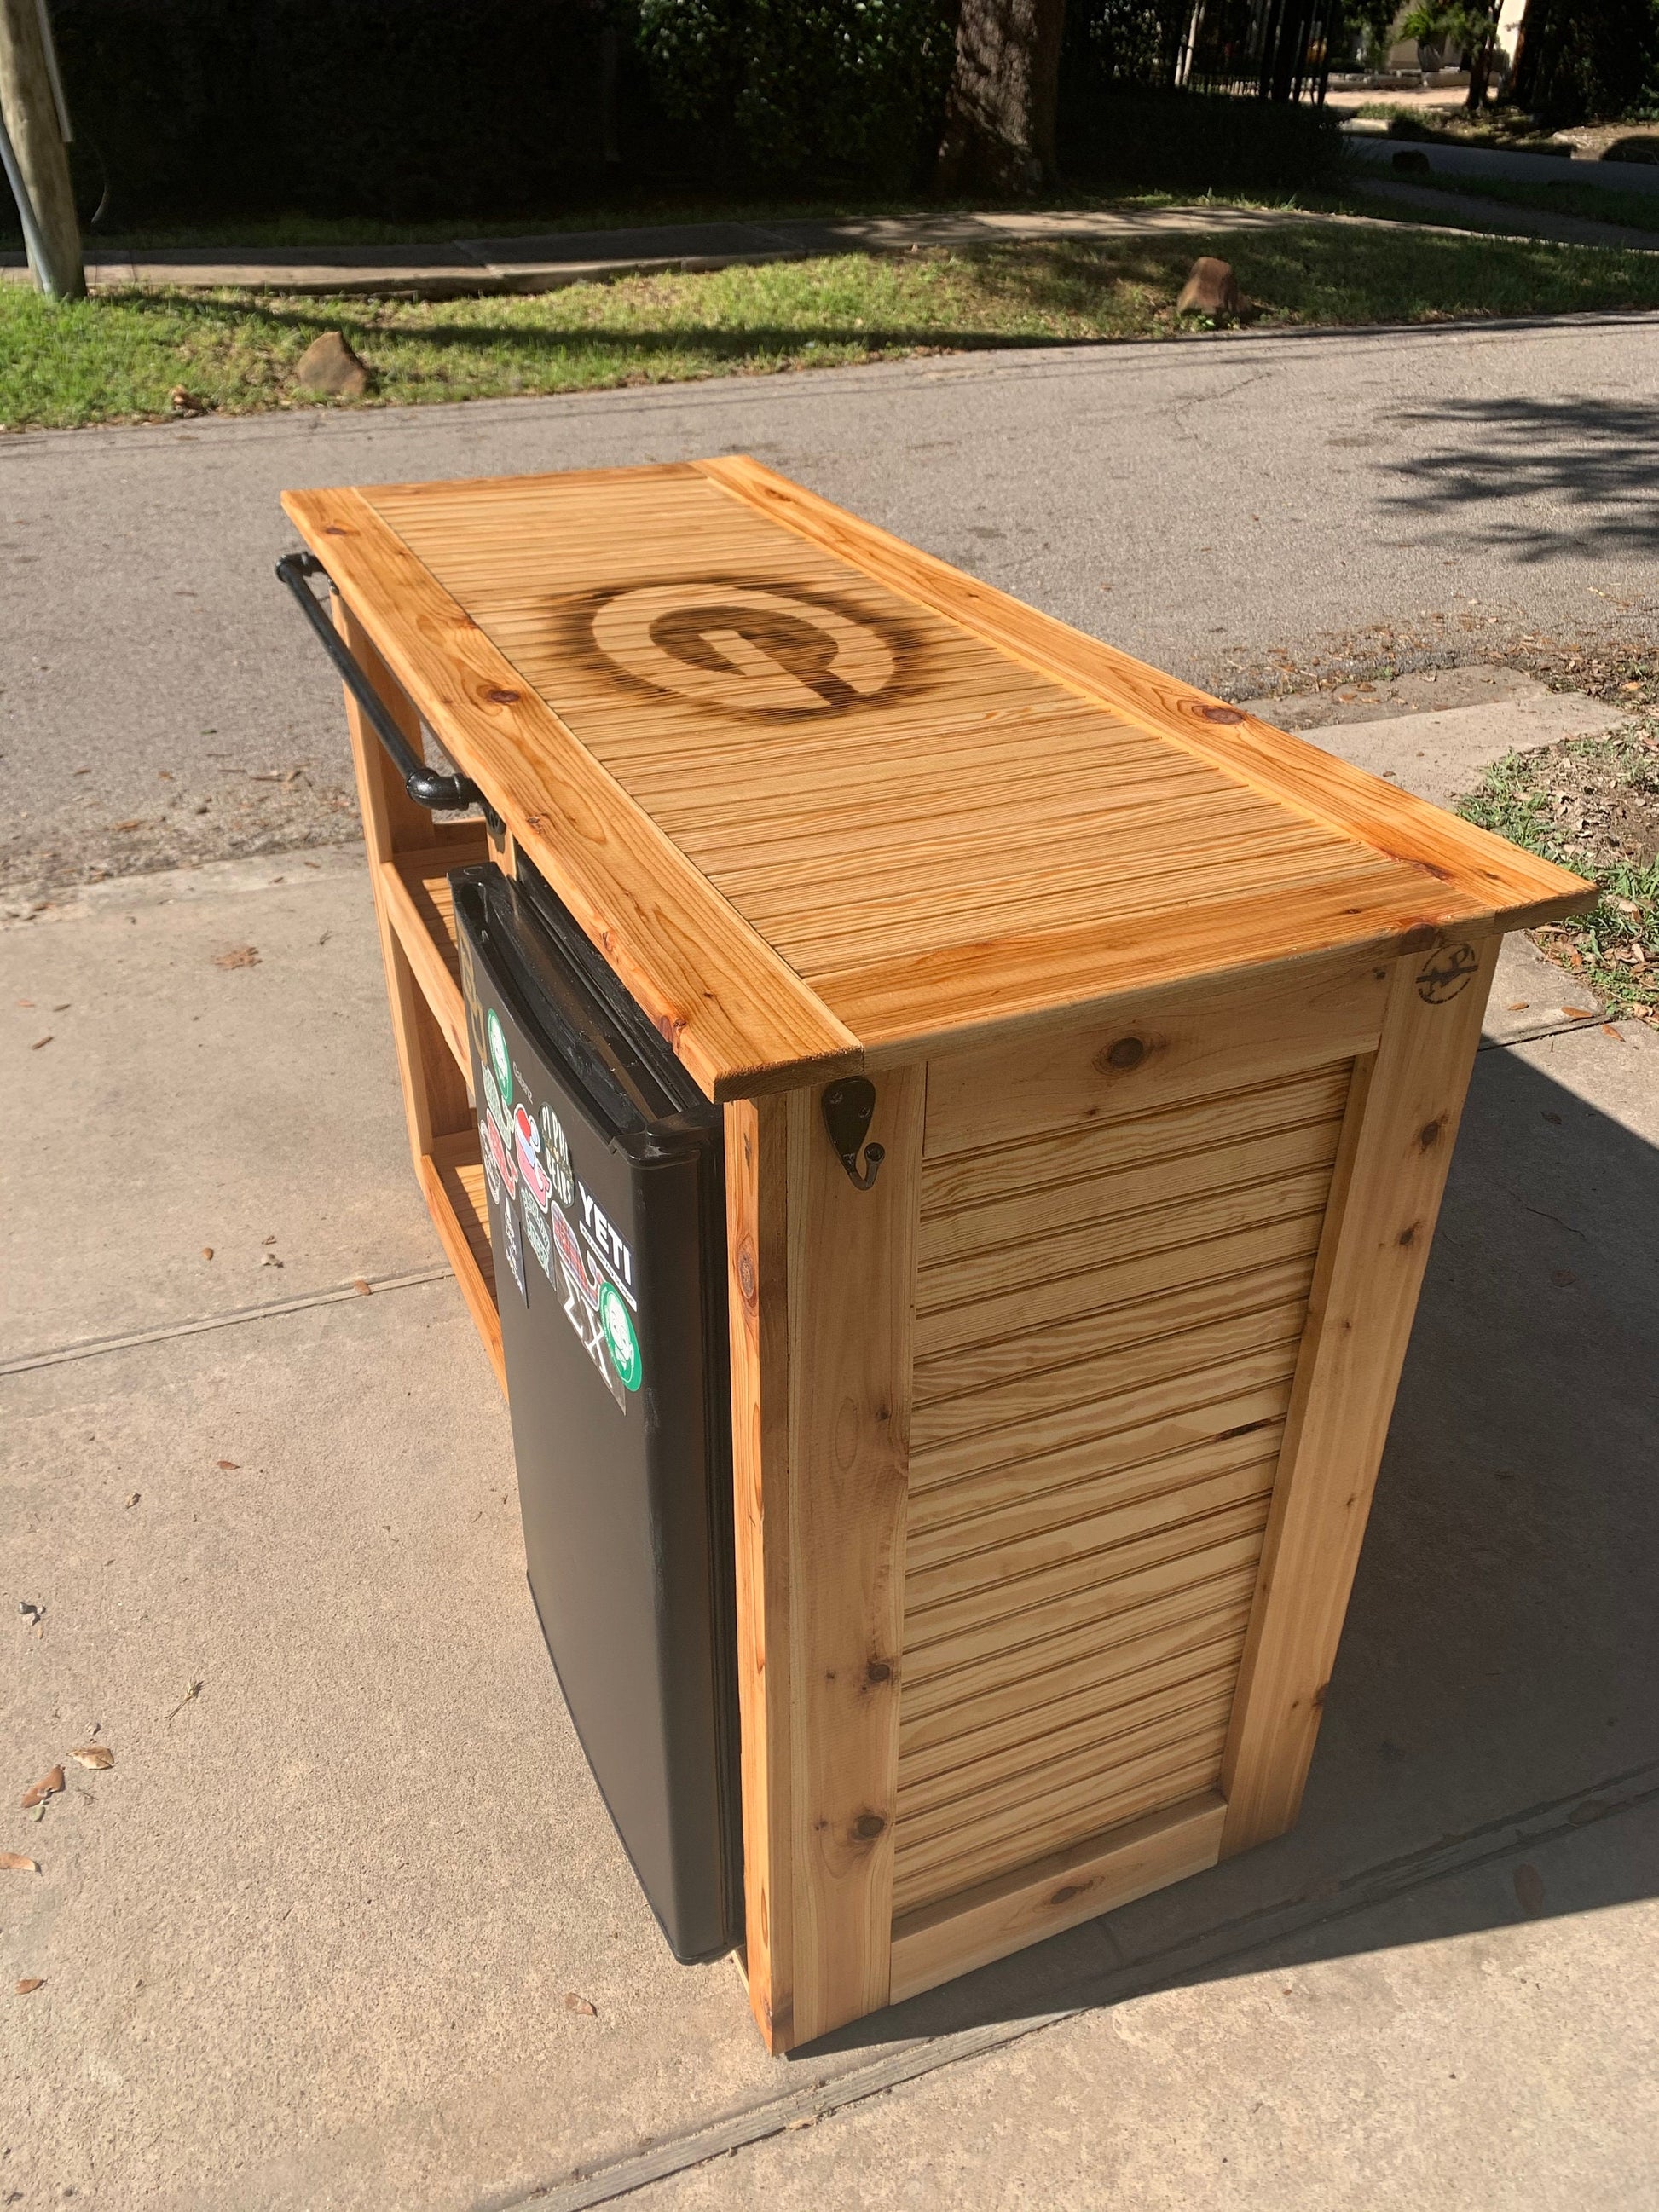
(747, 647)
(1449, 973)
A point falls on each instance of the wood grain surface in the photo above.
(825, 803)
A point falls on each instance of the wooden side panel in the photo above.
(757, 1204)
(852, 1266)
(1218, 1042)
(932, 1945)
(1086, 1513)
(1397, 1148)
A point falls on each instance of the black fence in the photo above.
(1271, 49)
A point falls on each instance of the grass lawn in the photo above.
(123, 355)
(1592, 804)
(1571, 197)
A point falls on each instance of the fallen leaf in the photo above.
(1580, 1013)
(1555, 1118)
(38, 1041)
(574, 2004)
(98, 1756)
(1608, 1029)
(14, 1863)
(240, 956)
(29, 1983)
(360, 1286)
(47, 1786)
(1529, 1891)
(136, 1495)
(137, 822)
(230, 1466)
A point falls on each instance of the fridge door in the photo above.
(604, 1168)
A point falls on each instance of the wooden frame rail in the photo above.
(410, 856)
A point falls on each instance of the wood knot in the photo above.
(1407, 1236)
(1430, 1133)
(1221, 714)
(746, 1274)
(1068, 1890)
(1126, 1052)
(868, 1827)
(878, 1671)
(498, 697)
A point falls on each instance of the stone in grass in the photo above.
(1211, 289)
(329, 366)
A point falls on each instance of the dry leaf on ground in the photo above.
(17, 1863)
(47, 1786)
(29, 1983)
(574, 2003)
(38, 1041)
(240, 956)
(136, 1495)
(229, 1466)
(98, 1756)
(360, 1286)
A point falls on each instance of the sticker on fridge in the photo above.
(492, 1174)
(556, 1157)
(514, 1253)
(536, 1235)
(500, 1059)
(527, 1144)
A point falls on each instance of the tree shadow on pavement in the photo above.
(1539, 479)
(1495, 1693)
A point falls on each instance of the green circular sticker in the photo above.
(500, 1060)
(619, 1335)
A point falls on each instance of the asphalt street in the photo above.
(1225, 507)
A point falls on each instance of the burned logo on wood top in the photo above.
(1446, 973)
(752, 649)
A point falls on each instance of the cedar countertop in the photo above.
(826, 803)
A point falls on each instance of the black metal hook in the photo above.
(849, 1105)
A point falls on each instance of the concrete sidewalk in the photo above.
(346, 1926)
(459, 267)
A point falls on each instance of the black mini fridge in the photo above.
(603, 1167)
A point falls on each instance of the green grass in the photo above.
(1614, 947)
(1596, 201)
(122, 356)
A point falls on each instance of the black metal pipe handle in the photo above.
(424, 784)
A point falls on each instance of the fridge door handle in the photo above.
(424, 784)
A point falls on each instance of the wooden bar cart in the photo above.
(1091, 1057)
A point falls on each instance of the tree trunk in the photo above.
(30, 111)
(1000, 117)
